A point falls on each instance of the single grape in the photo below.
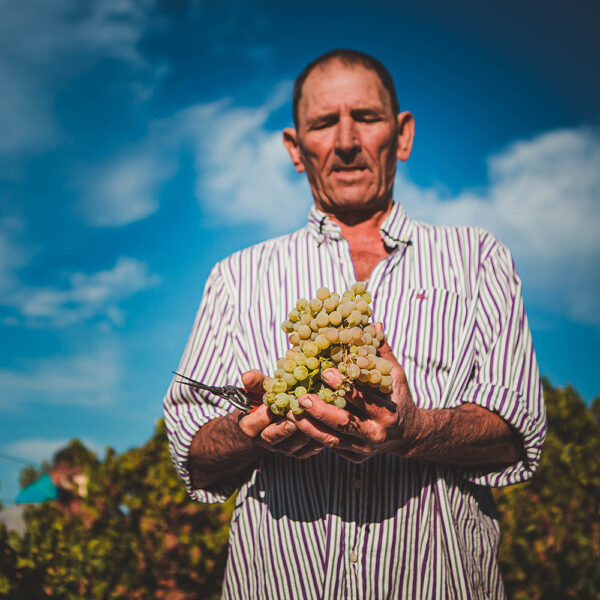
(374, 377)
(305, 318)
(340, 402)
(345, 336)
(385, 366)
(344, 310)
(323, 293)
(294, 315)
(325, 394)
(290, 380)
(315, 305)
(349, 294)
(337, 354)
(353, 371)
(300, 373)
(312, 363)
(268, 384)
(287, 326)
(360, 305)
(300, 391)
(304, 332)
(386, 380)
(322, 319)
(310, 349)
(314, 325)
(300, 359)
(282, 400)
(330, 304)
(269, 397)
(301, 304)
(289, 366)
(359, 287)
(335, 317)
(322, 341)
(332, 334)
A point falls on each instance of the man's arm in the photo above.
(465, 435)
(227, 445)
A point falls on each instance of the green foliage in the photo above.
(137, 536)
(551, 525)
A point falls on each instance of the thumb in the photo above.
(253, 381)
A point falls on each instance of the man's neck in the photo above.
(362, 231)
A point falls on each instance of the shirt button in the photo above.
(357, 483)
(353, 557)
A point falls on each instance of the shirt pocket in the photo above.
(429, 328)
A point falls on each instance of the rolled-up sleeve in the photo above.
(506, 377)
(208, 357)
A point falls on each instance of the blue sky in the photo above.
(141, 143)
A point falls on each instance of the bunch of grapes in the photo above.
(328, 331)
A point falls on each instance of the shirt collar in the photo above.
(395, 229)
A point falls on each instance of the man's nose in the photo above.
(348, 138)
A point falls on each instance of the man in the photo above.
(393, 502)
(58, 484)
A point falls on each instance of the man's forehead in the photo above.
(335, 82)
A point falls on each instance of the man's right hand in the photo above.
(271, 432)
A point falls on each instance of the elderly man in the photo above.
(391, 501)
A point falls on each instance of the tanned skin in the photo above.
(348, 142)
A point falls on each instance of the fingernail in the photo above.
(290, 427)
(305, 402)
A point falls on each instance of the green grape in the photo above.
(360, 305)
(301, 304)
(305, 319)
(268, 384)
(349, 294)
(353, 371)
(335, 317)
(279, 386)
(312, 363)
(295, 407)
(269, 397)
(304, 332)
(323, 293)
(282, 400)
(300, 373)
(310, 349)
(386, 380)
(385, 366)
(300, 391)
(344, 310)
(290, 380)
(345, 336)
(294, 315)
(337, 354)
(332, 334)
(287, 326)
(374, 377)
(325, 394)
(340, 402)
(385, 389)
(289, 366)
(322, 342)
(358, 287)
(315, 305)
(300, 359)
(322, 319)
(330, 303)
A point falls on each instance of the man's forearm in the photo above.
(219, 450)
(466, 435)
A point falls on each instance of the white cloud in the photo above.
(86, 379)
(244, 174)
(543, 202)
(44, 45)
(124, 191)
(37, 450)
(85, 296)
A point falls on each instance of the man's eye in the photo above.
(323, 124)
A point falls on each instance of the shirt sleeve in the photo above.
(505, 377)
(208, 357)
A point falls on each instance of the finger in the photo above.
(275, 433)
(312, 448)
(293, 445)
(253, 381)
(335, 380)
(327, 422)
(253, 423)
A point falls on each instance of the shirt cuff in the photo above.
(511, 406)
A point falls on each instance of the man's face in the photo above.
(347, 139)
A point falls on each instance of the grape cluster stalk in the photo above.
(328, 331)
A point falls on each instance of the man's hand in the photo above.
(270, 432)
(382, 423)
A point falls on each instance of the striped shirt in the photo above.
(450, 301)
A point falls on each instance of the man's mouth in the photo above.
(349, 169)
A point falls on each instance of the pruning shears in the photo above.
(234, 395)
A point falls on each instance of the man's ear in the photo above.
(406, 134)
(290, 141)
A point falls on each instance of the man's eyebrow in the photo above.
(367, 112)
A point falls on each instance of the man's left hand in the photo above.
(383, 423)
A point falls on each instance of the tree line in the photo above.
(137, 535)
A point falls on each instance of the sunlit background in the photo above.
(140, 143)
